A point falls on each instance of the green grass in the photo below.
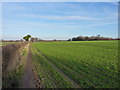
(11, 80)
(6, 43)
(49, 77)
(14, 77)
(88, 63)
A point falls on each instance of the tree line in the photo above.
(91, 38)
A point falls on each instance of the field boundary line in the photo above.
(59, 71)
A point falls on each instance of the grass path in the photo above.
(58, 70)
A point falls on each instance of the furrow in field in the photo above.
(89, 64)
(58, 70)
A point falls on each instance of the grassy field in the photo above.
(6, 43)
(88, 63)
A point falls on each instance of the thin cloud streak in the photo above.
(52, 17)
(60, 19)
(21, 24)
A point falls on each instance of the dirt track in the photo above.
(28, 78)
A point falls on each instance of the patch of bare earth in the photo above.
(30, 77)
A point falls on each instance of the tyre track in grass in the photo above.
(58, 70)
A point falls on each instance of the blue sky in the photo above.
(59, 20)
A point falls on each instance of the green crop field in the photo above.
(85, 64)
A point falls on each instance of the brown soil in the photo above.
(28, 80)
(30, 77)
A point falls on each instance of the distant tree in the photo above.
(69, 39)
(21, 40)
(73, 39)
(34, 39)
(98, 36)
(55, 40)
(26, 38)
(86, 38)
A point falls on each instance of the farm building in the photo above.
(34, 39)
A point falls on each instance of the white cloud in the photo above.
(17, 25)
(14, 10)
(53, 17)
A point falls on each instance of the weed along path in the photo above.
(29, 77)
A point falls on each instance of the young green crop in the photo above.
(48, 75)
(88, 63)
